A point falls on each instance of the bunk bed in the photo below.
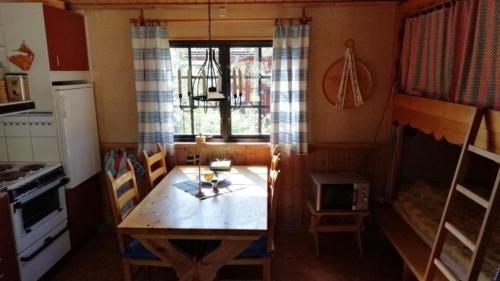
(412, 222)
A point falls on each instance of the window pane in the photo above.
(247, 61)
(245, 121)
(265, 89)
(267, 61)
(207, 123)
(255, 65)
(180, 60)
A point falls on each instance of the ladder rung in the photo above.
(485, 153)
(450, 275)
(453, 230)
(473, 196)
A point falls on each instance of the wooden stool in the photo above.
(315, 227)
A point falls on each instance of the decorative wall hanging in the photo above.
(344, 85)
(23, 57)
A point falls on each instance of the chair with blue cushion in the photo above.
(124, 196)
(260, 252)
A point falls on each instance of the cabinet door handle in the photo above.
(57, 60)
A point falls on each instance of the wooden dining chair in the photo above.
(273, 166)
(123, 201)
(156, 166)
(261, 251)
(276, 149)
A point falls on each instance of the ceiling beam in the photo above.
(152, 4)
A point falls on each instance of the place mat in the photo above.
(191, 187)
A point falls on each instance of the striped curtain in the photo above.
(153, 83)
(452, 54)
(427, 55)
(289, 87)
(478, 80)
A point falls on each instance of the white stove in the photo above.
(39, 217)
(14, 175)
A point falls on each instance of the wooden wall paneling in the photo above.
(295, 171)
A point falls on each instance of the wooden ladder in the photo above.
(492, 207)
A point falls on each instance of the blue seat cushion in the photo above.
(136, 250)
(258, 249)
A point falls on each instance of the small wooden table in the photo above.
(236, 218)
(355, 227)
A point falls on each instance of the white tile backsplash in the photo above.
(4, 156)
(45, 149)
(19, 149)
(28, 137)
(16, 126)
(42, 126)
(2, 131)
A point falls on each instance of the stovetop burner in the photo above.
(32, 167)
(5, 167)
(11, 176)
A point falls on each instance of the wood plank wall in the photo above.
(367, 159)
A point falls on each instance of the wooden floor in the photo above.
(98, 260)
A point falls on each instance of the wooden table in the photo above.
(236, 218)
(356, 226)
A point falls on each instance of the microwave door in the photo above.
(337, 197)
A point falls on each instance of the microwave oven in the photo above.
(339, 192)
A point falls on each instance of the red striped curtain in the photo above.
(452, 54)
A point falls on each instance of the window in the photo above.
(250, 122)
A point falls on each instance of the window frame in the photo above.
(224, 47)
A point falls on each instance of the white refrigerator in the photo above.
(78, 135)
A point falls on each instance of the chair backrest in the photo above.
(272, 166)
(156, 166)
(276, 149)
(272, 203)
(120, 198)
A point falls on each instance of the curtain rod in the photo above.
(433, 8)
(141, 20)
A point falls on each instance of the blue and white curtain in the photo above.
(153, 83)
(289, 87)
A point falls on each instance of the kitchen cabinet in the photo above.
(56, 37)
(66, 40)
(84, 210)
(8, 261)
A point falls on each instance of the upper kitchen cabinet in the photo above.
(23, 22)
(56, 38)
(65, 40)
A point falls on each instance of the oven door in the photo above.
(37, 213)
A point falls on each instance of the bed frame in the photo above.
(443, 120)
(446, 120)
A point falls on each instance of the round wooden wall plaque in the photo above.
(331, 82)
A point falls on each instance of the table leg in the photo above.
(313, 229)
(189, 269)
(228, 250)
(359, 240)
(164, 250)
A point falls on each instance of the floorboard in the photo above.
(98, 260)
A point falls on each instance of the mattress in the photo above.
(421, 204)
